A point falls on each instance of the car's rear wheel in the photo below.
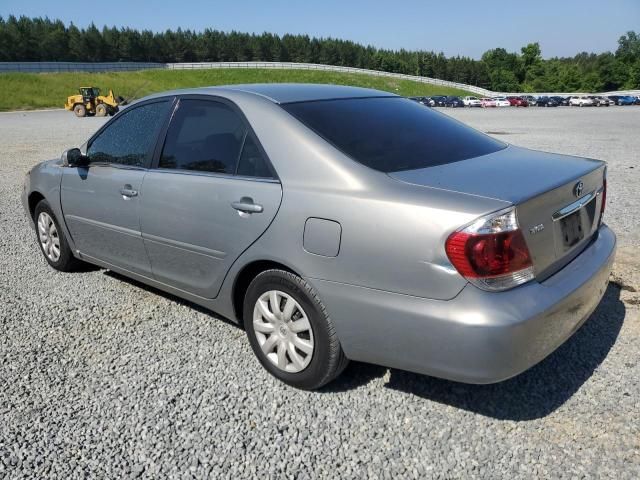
(290, 331)
(51, 239)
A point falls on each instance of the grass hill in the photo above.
(24, 91)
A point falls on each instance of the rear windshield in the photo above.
(391, 134)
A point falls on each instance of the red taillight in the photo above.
(488, 255)
(492, 252)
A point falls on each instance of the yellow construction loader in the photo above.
(89, 102)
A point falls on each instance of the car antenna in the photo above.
(126, 101)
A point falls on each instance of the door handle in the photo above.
(128, 192)
(246, 205)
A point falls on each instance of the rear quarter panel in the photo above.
(392, 233)
(392, 239)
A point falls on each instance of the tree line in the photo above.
(42, 39)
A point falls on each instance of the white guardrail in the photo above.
(329, 68)
(50, 67)
(57, 67)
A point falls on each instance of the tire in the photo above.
(80, 110)
(101, 110)
(325, 360)
(45, 219)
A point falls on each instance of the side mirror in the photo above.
(74, 158)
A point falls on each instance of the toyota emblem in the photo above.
(577, 190)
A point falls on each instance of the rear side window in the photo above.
(252, 162)
(204, 136)
(391, 134)
(129, 138)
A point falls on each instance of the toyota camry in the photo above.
(336, 224)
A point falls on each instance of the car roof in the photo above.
(286, 92)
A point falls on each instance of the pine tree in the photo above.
(42, 39)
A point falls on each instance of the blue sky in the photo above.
(465, 27)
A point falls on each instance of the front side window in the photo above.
(129, 139)
(204, 136)
(390, 134)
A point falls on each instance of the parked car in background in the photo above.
(626, 100)
(531, 100)
(581, 101)
(453, 101)
(518, 102)
(491, 255)
(599, 101)
(438, 100)
(426, 101)
(471, 102)
(562, 101)
(502, 102)
(546, 102)
(487, 102)
(622, 99)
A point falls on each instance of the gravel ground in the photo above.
(103, 377)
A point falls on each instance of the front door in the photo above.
(100, 202)
(212, 195)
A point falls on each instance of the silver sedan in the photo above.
(336, 223)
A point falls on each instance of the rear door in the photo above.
(100, 201)
(211, 194)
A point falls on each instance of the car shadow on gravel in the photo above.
(356, 375)
(531, 395)
(173, 298)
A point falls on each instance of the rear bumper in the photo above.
(477, 337)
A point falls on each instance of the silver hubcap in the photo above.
(283, 331)
(48, 235)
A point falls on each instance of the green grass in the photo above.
(22, 91)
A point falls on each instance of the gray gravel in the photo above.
(103, 377)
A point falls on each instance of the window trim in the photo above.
(244, 140)
(171, 99)
(155, 161)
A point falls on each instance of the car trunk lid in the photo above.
(558, 198)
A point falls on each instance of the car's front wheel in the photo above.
(290, 331)
(51, 239)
